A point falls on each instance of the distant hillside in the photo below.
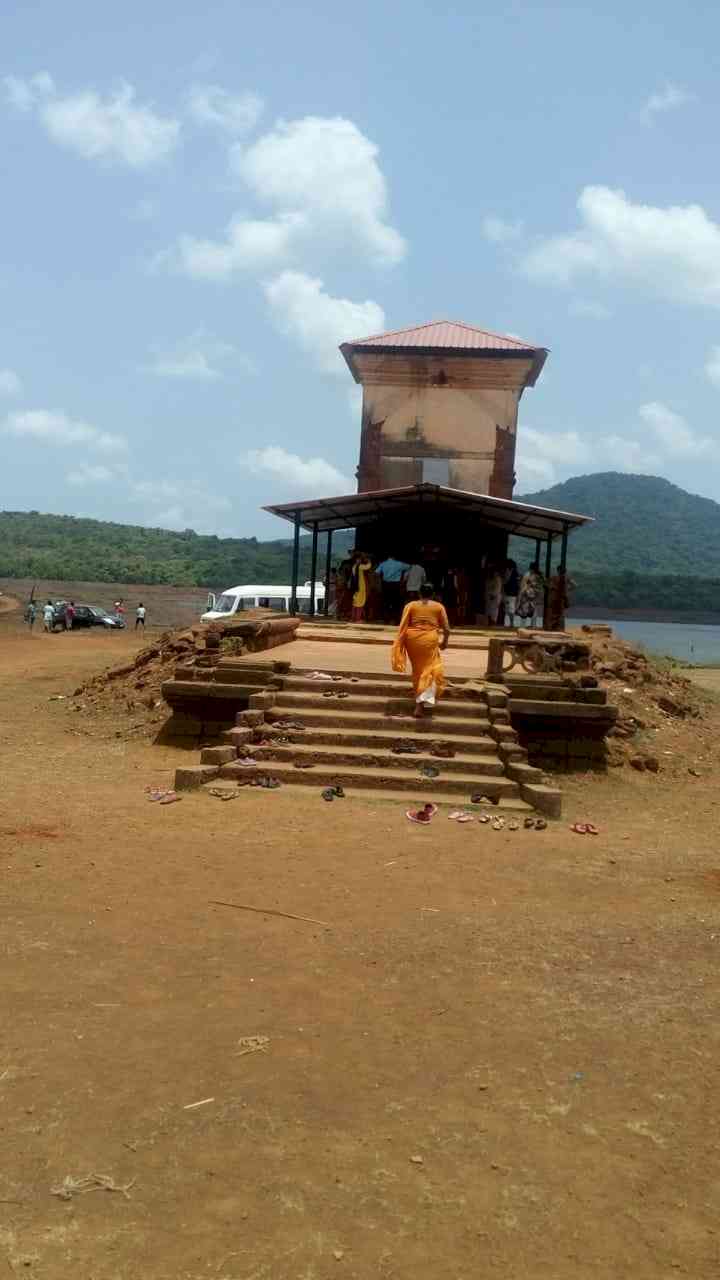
(69, 548)
(652, 546)
(642, 525)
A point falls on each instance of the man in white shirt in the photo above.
(140, 616)
(413, 581)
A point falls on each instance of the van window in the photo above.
(246, 602)
(276, 602)
(225, 604)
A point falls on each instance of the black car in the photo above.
(86, 615)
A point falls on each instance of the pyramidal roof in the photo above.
(447, 335)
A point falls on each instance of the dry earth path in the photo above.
(496, 1057)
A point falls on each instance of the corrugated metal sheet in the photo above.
(356, 509)
(448, 335)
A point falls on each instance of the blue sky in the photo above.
(200, 202)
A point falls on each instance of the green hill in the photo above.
(652, 546)
(68, 548)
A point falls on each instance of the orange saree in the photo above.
(418, 639)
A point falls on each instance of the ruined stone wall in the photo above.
(461, 437)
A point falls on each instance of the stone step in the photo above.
(562, 710)
(342, 755)
(512, 806)
(437, 726)
(383, 739)
(361, 776)
(454, 708)
(365, 686)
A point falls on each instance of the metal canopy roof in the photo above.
(351, 511)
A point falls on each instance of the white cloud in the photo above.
(249, 245)
(235, 113)
(533, 473)
(24, 94)
(565, 447)
(586, 309)
(306, 477)
(669, 98)
(326, 169)
(712, 366)
(175, 504)
(55, 427)
(499, 230)
(303, 310)
(194, 357)
(87, 473)
(673, 252)
(672, 431)
(113, 128)
(10, 384)
(629, 455)
(321, 180)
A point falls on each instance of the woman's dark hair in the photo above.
(427, 589)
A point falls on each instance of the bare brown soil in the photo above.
(498, 1057)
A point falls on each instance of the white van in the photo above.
(240, 599)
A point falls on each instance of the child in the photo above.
(140, 616)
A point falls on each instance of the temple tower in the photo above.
(440, 406)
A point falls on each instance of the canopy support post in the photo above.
(538, 551)
(548, 571)
(295, 564)
(563, 548)
(328, 568)
(313, 569)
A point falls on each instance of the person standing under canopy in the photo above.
(423, 622)
(392, 573)
(362, 566)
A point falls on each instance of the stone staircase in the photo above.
(302, 733)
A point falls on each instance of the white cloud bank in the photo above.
(304, 477)
(55, 427)
(115, 128)
(199, 357)
(234, 113)
(321, 178)
(544, 457)
(671, 252)
(10, 384)
(669, 98)
(318, 322)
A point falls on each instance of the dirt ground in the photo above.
(496, 1056)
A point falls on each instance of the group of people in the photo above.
(362, 590)
(368, 592)
(50, 614)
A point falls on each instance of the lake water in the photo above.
(686, 641)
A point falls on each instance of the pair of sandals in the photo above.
(333, 793)
(585, 829)
(330, 693)
(498, 824)
(162, 796)
(406, 749)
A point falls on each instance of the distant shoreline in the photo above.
(693, 617)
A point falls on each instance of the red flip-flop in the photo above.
(423, 815)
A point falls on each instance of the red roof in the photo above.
(450, 335)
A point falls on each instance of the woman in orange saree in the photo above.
(418, 638)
